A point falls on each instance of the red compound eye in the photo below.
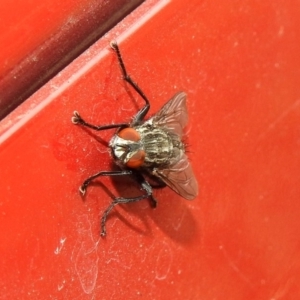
(136, 160)
(129, 134)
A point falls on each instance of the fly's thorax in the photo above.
(146, 146)
(162, 148)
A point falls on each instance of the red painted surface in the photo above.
(39, 38)
(239, 64)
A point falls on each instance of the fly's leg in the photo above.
(85, 184)
(143, 111)
(77, 119)
(140, 115)
(120, 200)
(116, 202)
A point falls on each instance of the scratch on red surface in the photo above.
(283, 115)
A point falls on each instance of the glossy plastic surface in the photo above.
(39, 38)
(239, 64)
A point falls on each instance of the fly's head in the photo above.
(127, 148)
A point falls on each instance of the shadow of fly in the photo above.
(152, 146)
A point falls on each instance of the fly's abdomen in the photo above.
(162, 148)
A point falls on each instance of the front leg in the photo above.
(85, 184)
(140, 115)
(77, 119)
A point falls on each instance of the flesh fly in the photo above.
(153, 146)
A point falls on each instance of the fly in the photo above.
(153, 146)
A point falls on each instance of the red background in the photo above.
(239, 63)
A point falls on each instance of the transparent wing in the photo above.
(180, 178)
(173, 115)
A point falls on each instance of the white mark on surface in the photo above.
(258, 85)
(276, 65)
(163, 262)
(281, 31)
(61, 286)
(61, 244)
(145, 18)
(284, 114)
(85, 256)
(235, 267)
(177, 223)
(282, 290)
